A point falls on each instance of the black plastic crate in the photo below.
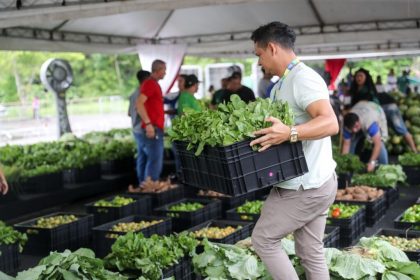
(229, 202)
(102, 215)
(232, 214)
(238, 169)
(183, 220)
(332, 237)
(82, 175)
(233, 238)
(9, 258)
(68, 236)
(162, 198)
(392, 195)
(375, 210)
(405, 225)
(117, 166)
(103, 241)
(263, 193)
(40, 184)
(412, 255)
(182, 270)
(344, 180)
(351, 228)
(413, 175)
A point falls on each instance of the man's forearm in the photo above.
(141, 109)
(346, 147)
(317, 128)
(376, 151)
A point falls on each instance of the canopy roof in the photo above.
(208, 27)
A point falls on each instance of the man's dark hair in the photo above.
(142, 75)
(350, 120)
(237, 75)
(275, 32)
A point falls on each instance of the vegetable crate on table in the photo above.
(40, 184)
(229, 202)
(182, 270)
(82, 175)
(105, 214)
(409, 219)
(71, 236)
(249, 211)
(184, 219)
(117, 166)
(343, 180)
(350, 228)
(392, 195)
(332, 237)
(238, 169)
(413, 175)
(162, 198)
(104, 235)
(412, 253)
(239, 234)
(9, 258)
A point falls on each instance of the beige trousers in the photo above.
(304, 213)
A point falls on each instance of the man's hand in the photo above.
(3, 184)
(371, 166)
(274, 135)
(150, 131)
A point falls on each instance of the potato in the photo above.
(347, 197)
(341, 192)
(350, 190)
(361, 197)
(359, 190)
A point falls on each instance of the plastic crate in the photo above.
(232, 214)
(392, 195)
(405, 225)
(332, 238)
(82, 175)
(413, 175)
(183, 220)
(162, 198)
(236, 236)
(344, 180)
(68, 236)
(181, 271)
(102, 215)
(375, 210)
(229, 202)
(40, 184)
(103, 242)
(237, 169)
(118, 166)
(412, 255)
(9, 258)
(263, 193)
(351, 228)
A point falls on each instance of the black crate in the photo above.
(351, 228)
(263, 193)
(344, 180)
(332, 237)
(183, 220)
(229, 202)
(233, 238)
(392, 195)
(39, 184)
(375, 210)
(162, 198)
(117, 166)
(9, 258)
(103, 242)
(238, 169)
(413, 175)
(182, 270)
(412, 255)
(102, 215)
(405, 225)
(68, 236)
(82, 175)
(232, 214)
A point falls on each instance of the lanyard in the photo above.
(289, 68)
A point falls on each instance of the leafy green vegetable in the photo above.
(10, 236)
(231, 123)
(251, 207)
(186, 207)
(412, 214)
(409, 159)
(348, 163)
(387, 175)
(383, 250)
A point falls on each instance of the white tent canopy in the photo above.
(209, 27)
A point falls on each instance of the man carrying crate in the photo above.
(300, 205)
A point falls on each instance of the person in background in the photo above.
(235, 87)
(391, 81)
(403, 83)
(380, 88)
(150, 108)
(187, 99)
(135, 118)
(210, 92)
(362, 87)
(171, 99)
(366, 119)
(218, 95)
(4, 187)
(264, 84)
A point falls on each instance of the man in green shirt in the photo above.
(186, 98)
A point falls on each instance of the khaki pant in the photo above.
(303, 212)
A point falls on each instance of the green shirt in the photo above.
(187, 100)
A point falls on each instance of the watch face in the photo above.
(293, 138)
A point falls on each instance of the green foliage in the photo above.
(345, 210)
(231, 123)
(412, 214)
(348, 163)
(10, 236)
(387, 175)
(251, 207)
(409, 159)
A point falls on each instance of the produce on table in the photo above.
(359, 193)
(348, 163)
(150, 186)
(10, 236)
(412, 214)
(211, 193)
(405, 244)
(342, 211)
(230, 123)
(131, 227)
(55, 221)
(409, 159)
(215, 232)
(117, 201)
(387, 175)
(251, 207)
(186, 207)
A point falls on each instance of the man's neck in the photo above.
(154, 76)
(285, 62)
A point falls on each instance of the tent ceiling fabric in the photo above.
(208, 27)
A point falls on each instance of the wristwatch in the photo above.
(293, 134)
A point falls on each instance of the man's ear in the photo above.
(272, 48)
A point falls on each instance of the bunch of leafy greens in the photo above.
(348, 163)
(149, 256)
(409, 159)
(10, 236)
(387, 175)
(79, 265)
(230, 123)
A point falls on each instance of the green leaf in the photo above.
(394, 275)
